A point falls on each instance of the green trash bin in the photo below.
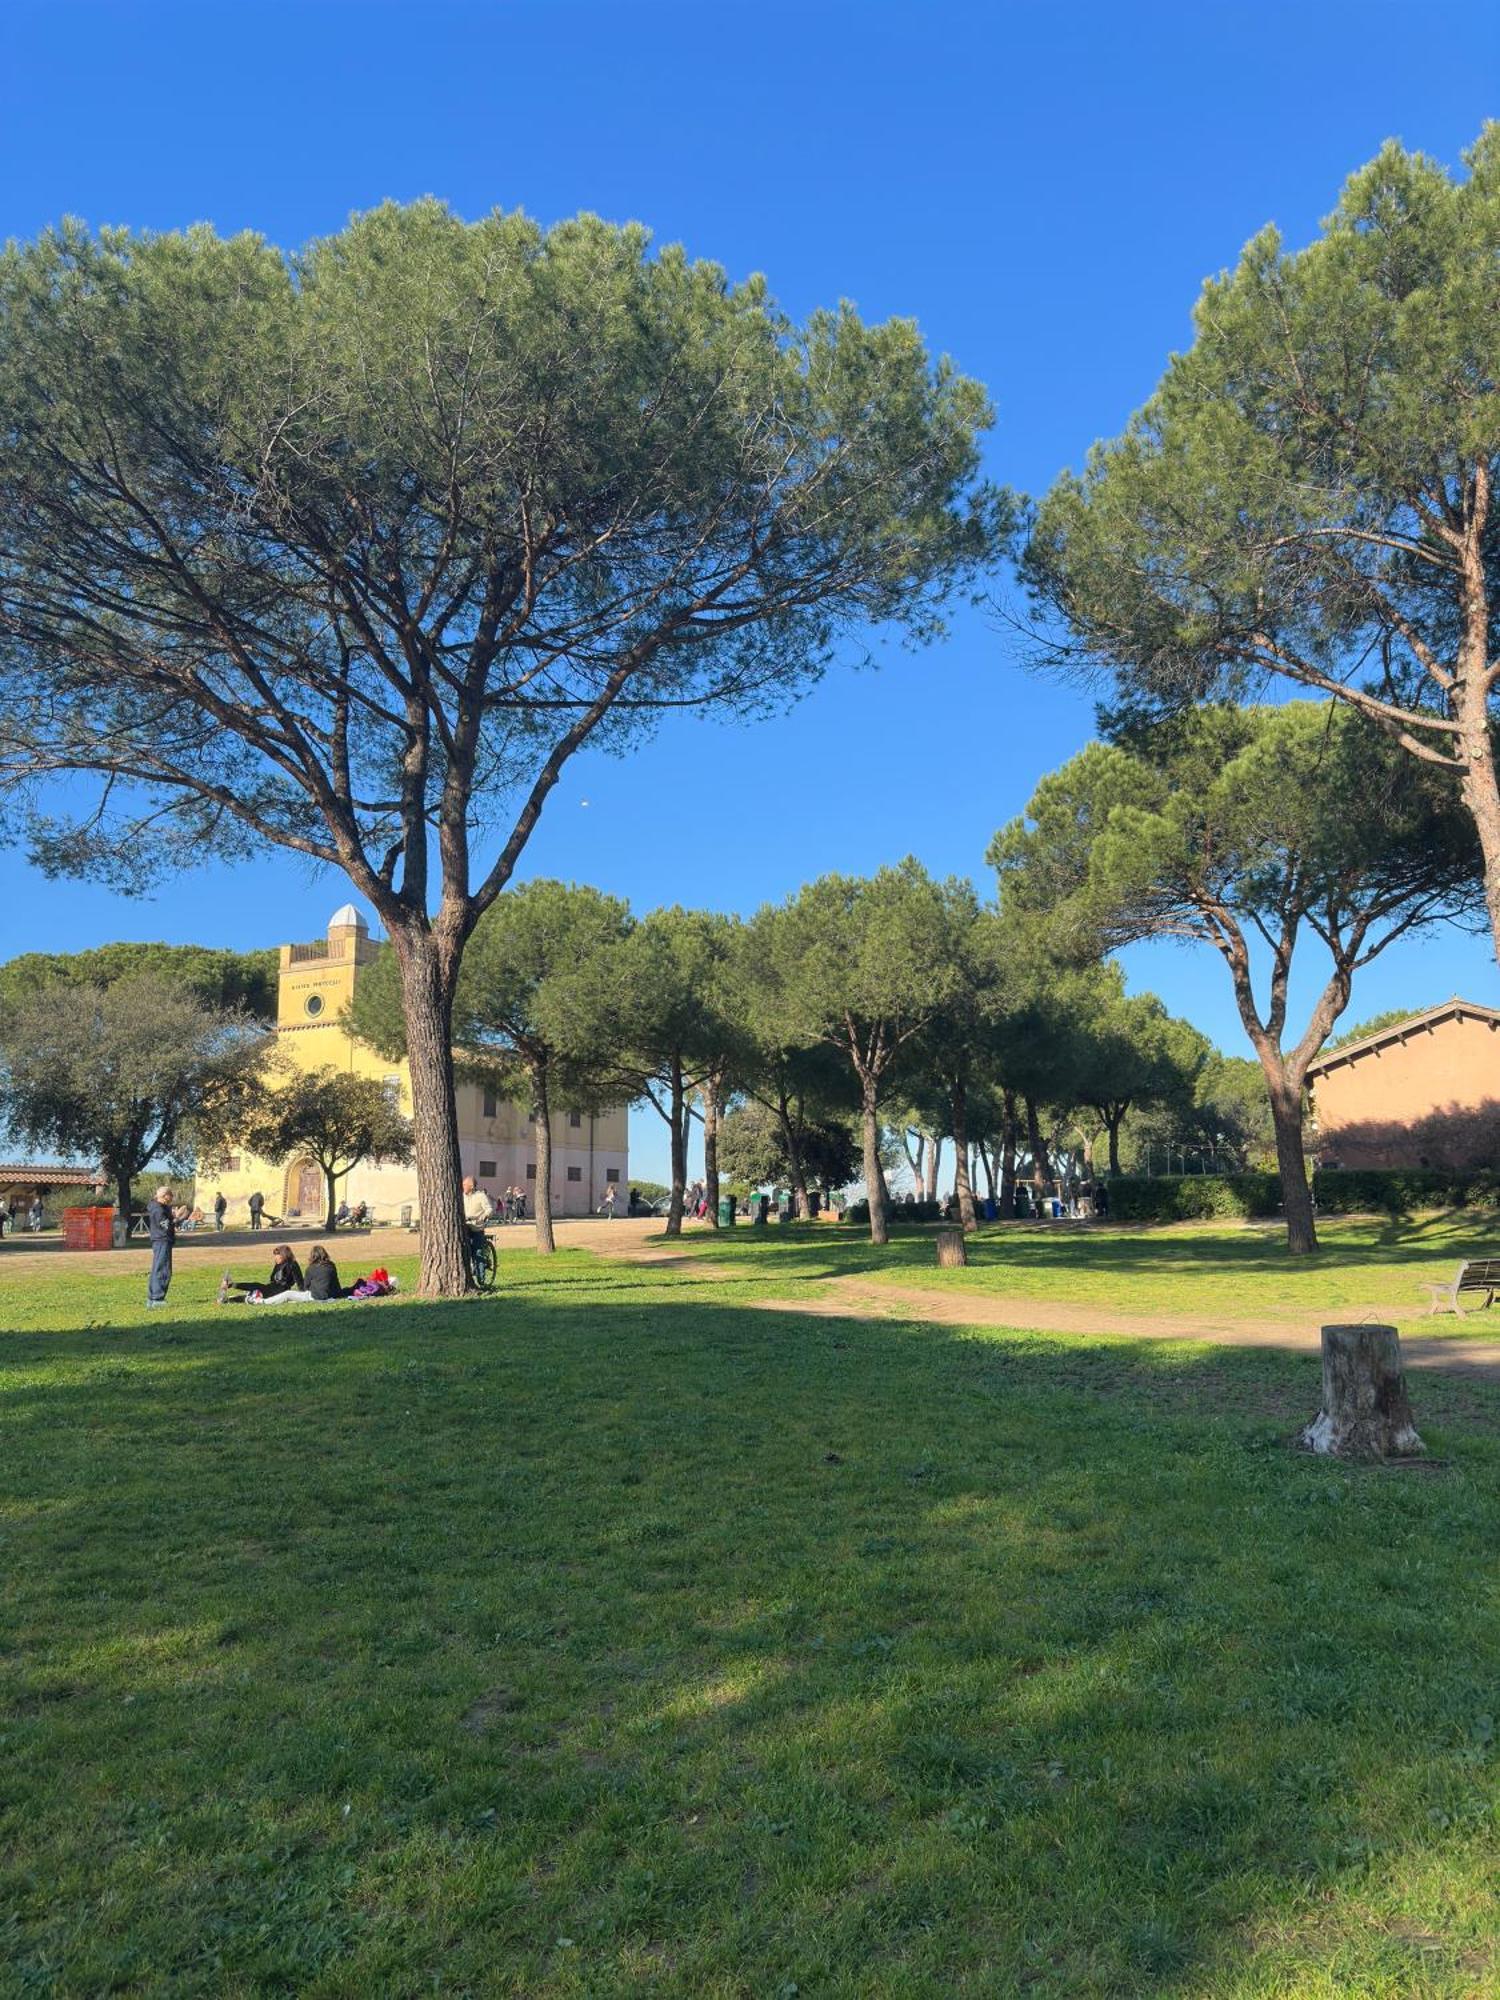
(726, 1211)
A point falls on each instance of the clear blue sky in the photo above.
(1043, 188)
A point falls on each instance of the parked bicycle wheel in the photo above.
(484, 1264)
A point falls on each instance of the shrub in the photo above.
(1339, 1191)
(899, 1211)
(1193, 1197)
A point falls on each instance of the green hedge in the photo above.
(1339, 1190)
(900, 1211)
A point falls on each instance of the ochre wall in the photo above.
(1431, 1098)
(316, 985)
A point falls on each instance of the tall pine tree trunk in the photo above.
(1041, 1163)
(429, 974)
(546, 1241)
(1291, 1160)
(875, 1187)
(934, 1166)
(958, 1100)
(711, 1087)
(1008, 1145)
(677, 1121)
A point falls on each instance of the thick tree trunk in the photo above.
(951, 1249)
(330, 1182)
(427, 984)
(1114, 1125)
(546, 1241)
(934, 1166)
(958, 1104)
(1291, 1161)
(1008, 1145)
(1041, 1163)
(791, 1144)
(677, 1120)
(875, 1187)
(1366, 1412)
(711, 1149)
(123, 1178)
(1470, 698)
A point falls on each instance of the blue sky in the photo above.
(1043, 189)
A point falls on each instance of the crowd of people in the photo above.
(14, 1214)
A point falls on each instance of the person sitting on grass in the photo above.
(286, 1276)
(322, 1276)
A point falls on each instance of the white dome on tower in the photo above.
(347, 918)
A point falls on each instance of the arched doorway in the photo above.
(304, 1189)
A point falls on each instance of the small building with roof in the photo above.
(1423, 1092)
(316, 984)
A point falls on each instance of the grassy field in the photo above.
(616, 1637)
(1223, 1270)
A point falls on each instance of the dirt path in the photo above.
(854, 1298)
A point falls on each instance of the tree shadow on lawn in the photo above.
(689, 1648)
(808, 1253)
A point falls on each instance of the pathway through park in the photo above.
(856, 1298)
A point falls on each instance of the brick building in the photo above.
(1424, 1092)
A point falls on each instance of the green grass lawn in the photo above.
(613, 1637)
(1223, 1270)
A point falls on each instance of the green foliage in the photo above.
(1302, 492)
(1193, 1197)
(240, 980)
(333, 1117)
(1391, 1018)
(478, 408)
(753, 1150)
(126, 1074)
(1338, 1191)
(899, 1212)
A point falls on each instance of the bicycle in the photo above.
(484, 1265)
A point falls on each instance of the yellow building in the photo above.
(497, 1139)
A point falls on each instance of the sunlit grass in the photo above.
(1229, 1271)
(611, 1637)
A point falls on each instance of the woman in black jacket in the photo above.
(323, 1276)
(286, 1276)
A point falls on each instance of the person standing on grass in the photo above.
(34, 1215)
(257, 1208)
(161, 1225)
(221, 1203)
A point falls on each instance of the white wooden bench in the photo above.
(1479, 1274)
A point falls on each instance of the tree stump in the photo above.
(1366, 1413)
(951, 1247)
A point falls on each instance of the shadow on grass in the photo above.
(685, 1647)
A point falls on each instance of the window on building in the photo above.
(487, 1169)
(611, 1173)
(531, 1170)
(575, 1119)
(490, 1108)
(575, 1173)
(231, 1163)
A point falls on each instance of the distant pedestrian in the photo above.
(34, 1215)
(257, 1209)
(161, 1224)
(607, 1206)
(221, 1203)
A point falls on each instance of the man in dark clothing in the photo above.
(221, 1202)
(257, 1204)
(161, 1225)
